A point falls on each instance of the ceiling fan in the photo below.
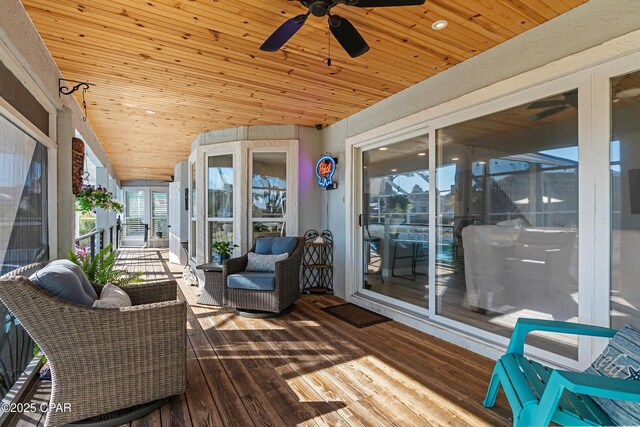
(554, 106)
(346, 34)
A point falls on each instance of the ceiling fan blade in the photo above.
(347, 35)
(546, 113)
(547, 104)
(385, 3)
(283, 33)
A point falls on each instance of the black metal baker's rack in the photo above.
(317, 263)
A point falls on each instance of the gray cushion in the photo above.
(264, 263)
(86, 284)
(283, 245)
(112, 297)
(62, 282)
(620, 359)
(252, 280)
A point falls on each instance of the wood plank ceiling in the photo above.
(197, 63)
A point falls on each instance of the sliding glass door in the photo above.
(482, 228)
(507, 218)
(625, 200)
(395, 220)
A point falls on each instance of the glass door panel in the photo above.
(507, 219)
(134, 225)
(625, 200)
(220, 199)
(395, 220)
(268, 195)
(159, 212)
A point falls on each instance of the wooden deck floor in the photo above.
(308, 368)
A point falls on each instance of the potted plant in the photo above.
(92, 197)
(101, 268)
(223, 250)
(159, 234)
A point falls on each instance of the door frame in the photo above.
(594, 198)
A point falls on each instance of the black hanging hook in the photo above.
(85, 86)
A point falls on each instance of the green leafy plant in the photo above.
(101, 268)
(92, 197)
(223, 249)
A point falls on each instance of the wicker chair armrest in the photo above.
(288, 273)
(234, 265)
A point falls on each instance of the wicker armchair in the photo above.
(103, 360)
(259, 303)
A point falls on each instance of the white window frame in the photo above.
(225, 151)
(192, 246)
(49, 141)
(290, 220)
(592, 82)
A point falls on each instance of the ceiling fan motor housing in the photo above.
(319, 8)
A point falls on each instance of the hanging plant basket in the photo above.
(92, 198)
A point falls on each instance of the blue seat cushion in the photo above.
(620, 359)
(62, 282)
(276, 245)
(252, 280)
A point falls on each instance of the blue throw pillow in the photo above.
(60, 281)
(283, 245)
(264, 245)
(620, 359)
(86, 284)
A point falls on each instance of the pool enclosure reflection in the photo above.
(507, 204)
(506, 229)
(395, 222)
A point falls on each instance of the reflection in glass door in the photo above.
(395, 220)
(134, 225)
(159, 213)
(625, 200)
(268, 213)
(507, 219)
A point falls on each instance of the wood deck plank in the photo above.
(309, 369)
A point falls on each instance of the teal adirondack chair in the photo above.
(538, 394)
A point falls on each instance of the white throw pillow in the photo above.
(265, 263)
(112, 297)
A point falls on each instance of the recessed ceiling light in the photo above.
(481, 163)
(383, 149)
(440, 24)
(455, 159)
(394, 170)
(150, 112)
(422, 154)
(628, 93)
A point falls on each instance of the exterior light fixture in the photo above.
(383, 148)
(422, 154)
(150, 112)
(455, 159)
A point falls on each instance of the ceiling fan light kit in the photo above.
(347, 35)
